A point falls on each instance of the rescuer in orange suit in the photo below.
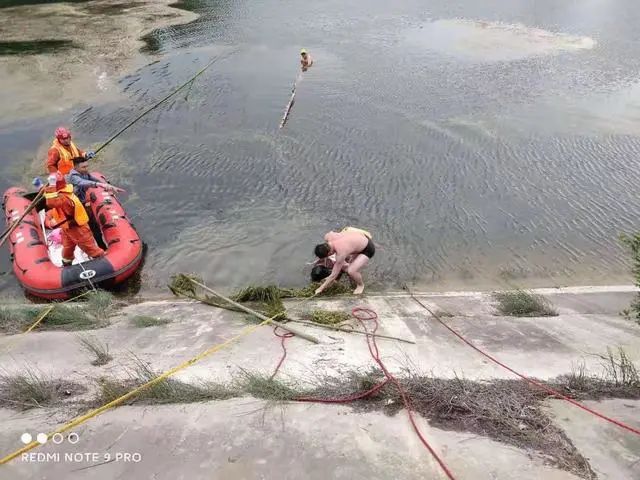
(63, 151)
(70, 215)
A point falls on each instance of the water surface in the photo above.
(483, 143)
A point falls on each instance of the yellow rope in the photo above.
(40, 318)
(79, 420)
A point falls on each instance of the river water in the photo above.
(483, 144)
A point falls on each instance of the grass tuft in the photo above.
(262, 386)
(31, 389)
(632, 242)
(144, 321)
(96, 348)
(82, 315)
(328, 317)
(100, 304)
(619, 379)
(267, 294)
(520, 303)
(65, 317)
(620, 369)
(167, 390)
(14, 319)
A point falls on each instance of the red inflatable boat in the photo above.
(37, 264)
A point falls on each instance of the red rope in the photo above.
(542, 386)
(362, 315)
(283, 337)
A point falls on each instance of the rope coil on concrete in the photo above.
(363, 315)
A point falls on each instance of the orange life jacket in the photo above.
(80, 216)
(67, 154)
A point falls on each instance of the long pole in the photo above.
(156, 105)
(7, 233)
(287, 109)
(350, 330)
(13, 226)
(284, 326)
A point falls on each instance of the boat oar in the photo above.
(7, 233)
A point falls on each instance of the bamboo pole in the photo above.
(295, 331)
(348, 330)
(287, 109)
(7, 233)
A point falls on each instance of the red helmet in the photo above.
(62, 133)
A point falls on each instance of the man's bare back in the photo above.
(346, 243)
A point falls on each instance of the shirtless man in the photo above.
(353, 249)
(305, 61)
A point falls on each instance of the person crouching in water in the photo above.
(353, 249)
(70, 215)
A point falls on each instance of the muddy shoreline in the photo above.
(103, 41)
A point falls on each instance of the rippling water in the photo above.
(482, 143)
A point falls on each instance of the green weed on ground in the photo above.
(520, 303)
(632, 242)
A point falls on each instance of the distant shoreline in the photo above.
(90, 72)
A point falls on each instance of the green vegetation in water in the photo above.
(270, 296)
(520, 303)
(633, 245)
(328, 317)
(181, 284)
(34, 47)
(144, 321)
(267, 299)
(270, 293)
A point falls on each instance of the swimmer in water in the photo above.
(305, 60)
